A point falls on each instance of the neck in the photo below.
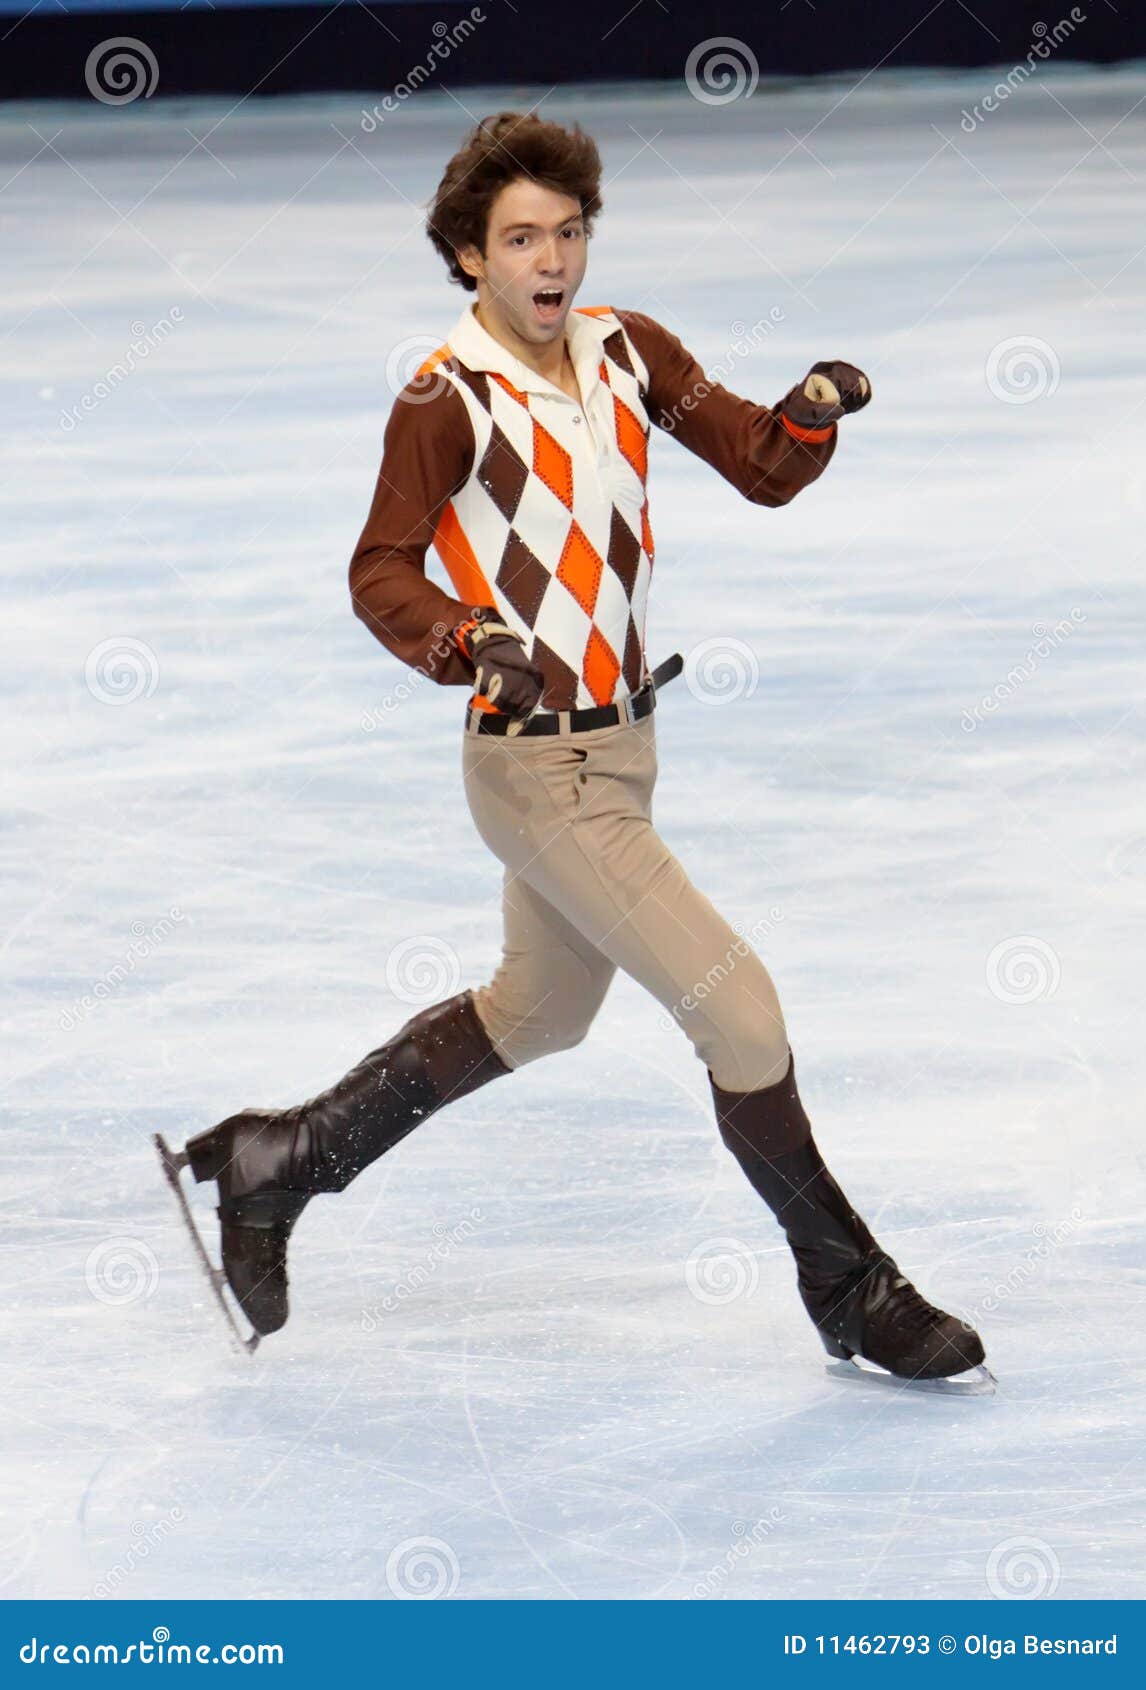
(547, 359)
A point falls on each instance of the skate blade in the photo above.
(973, 1382)
(171, 1162)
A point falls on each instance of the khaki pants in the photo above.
(590, 887)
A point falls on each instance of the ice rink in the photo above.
(551, 1347)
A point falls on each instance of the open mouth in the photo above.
(548, 302)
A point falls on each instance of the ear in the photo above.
(471, 261)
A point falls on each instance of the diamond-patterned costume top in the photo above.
(536, 501)
(553, 530)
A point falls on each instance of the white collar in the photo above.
(585, 334)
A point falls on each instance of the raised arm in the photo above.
(426, 454)
(764, 455)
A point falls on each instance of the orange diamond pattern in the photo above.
(580, 568)
(631, 438)
(553, 464)
(601, 667)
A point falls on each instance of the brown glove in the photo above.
(505, 679)
(829, 391)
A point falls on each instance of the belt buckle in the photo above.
(628, 704)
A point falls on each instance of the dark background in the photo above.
(274, 49)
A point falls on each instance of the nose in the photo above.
(551, 259)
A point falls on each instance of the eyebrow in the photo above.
(511, 228)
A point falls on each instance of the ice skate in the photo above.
(871, 1319)
(882, 1330)
(252, 1159)
(267, 1164)
(173, 1162)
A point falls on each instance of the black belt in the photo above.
(641, 702)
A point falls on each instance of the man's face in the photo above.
(535, 245)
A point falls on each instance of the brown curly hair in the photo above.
(506, 148)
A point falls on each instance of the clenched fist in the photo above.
(504, 676)
(829, 391)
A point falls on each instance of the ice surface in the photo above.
(239, 856)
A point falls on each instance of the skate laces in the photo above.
(908, 1309)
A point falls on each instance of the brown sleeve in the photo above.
(427, 451)
(748, 444)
